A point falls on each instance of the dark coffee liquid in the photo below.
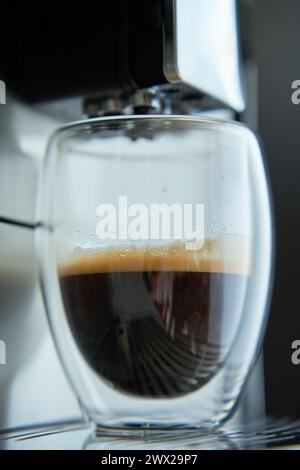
(152, 331)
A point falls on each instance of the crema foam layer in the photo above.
(228, 254)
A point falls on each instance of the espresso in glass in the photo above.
(154, 321)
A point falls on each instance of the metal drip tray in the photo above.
(75, 435)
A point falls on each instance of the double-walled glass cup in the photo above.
(155, 248)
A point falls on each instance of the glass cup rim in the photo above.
(196, 119)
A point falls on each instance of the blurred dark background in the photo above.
(272, 39)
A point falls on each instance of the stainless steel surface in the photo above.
(201, 49)
(201, 64)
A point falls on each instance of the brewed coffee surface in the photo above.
(150, 321)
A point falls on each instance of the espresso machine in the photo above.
(90, 59)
